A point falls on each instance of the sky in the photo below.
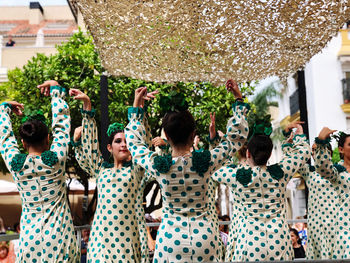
(26, 2)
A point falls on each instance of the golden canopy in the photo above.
(210, 40)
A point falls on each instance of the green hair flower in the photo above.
(174, 101)
(261, 126)
(33, 115)
(115, 128)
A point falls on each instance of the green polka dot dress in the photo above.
(262, 232)
(187, 232)
(340, 179)
(47, 231)
(118, 231)
(321, 212)
(236, 220)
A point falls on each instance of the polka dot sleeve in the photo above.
(8, 143)
(233, 140)
(88, 153)
(303, 170)
(323, 163)
(135, 133)
(60, 122)
(298, 154)
(226, 175)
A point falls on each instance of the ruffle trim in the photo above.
(244, 176)
(201, 161)
(5, 104)
(163, 163)
(286, 134)
(75, 144)
(108, 165)
(91, 113)
(59, 89)
(241, 105)
(136, 110)
(275, 171)
(322, 142)
(287, 145)
(339, 168)
(18, 161)
(216, 138)
(49, 158)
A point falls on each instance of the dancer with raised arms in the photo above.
(339, 176)
(260, 189)
(118, 232)
(47, 231)
(187, 232)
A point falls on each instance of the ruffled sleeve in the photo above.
(8, 144)
(323, 161)
(60, 123)
(136, 137)
(87, 149)
(297, 156)
(233, 140)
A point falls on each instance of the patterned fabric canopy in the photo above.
(210, 40)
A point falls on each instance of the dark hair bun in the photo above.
(260, 147)
(179, 126)
(33, 132)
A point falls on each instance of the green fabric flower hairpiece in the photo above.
(174, 101)
(261, 126)
(115, 127)
(33, 115)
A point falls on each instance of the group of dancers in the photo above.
(189, 231)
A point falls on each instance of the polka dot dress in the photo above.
(187, 232)
(340, 179)
(322, 209)
(263, 232)
(47, 232)
(236, 220)
(118, 229)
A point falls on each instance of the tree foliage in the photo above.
(77, 65)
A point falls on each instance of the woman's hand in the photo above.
(16, 107)
(141, 95)
(325, 133)
(45, 87)
(232, 87)
(79, 95)
(77, 133)
(212, 132)
(293, 125)
(158, 141)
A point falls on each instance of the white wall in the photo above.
(323, 75)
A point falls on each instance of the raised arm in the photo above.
(60, 122)
(323, 157)
(236, 131)
(298, 154)
(87, 149)
(135, 133)
(8, 143)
